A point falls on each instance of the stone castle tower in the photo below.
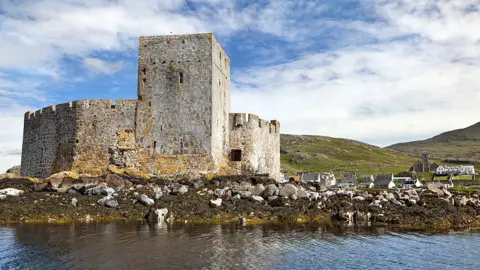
(180, 123)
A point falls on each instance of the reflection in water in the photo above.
(140, 246)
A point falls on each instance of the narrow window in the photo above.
(220, 55)
(149, 104)
(181, 77)
(154, 145)
(144, 70)
(236, 155)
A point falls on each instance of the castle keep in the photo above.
(180, 124)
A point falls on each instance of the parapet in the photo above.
(80, 104)
(252, 121)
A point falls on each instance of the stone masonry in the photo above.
(179, 125)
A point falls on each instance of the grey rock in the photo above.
(219, 192)
(245, 194)
(157, 215)
(271, 198)
(108, 201)
(74, 202)
(157, 193)
(434, 189)
(256, 198)
(302, 194)
(179, 189)
(314, 196)
(288, 190)
(293, 197)
(270, 190)
(257, 190)
(237, 197)
(3, 197)
(11, 192)
(111, 203)
(216, 203)
(358, 198)
(145, 200)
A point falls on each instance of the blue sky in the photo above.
(372, 70)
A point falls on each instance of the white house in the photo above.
(324, 179)
(458, 170)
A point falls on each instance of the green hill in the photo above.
(461, 145)
(323, 154)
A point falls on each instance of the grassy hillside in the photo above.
(460, 144)
(323, 154)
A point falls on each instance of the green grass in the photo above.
(323, 154)
(461, 144)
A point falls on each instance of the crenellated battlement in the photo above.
(83, 104)
(253, 121)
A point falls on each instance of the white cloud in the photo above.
(411, 73)
(421, 82)
(99, 66)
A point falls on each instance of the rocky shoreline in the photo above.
(67, 197)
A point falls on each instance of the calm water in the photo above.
(139, 246)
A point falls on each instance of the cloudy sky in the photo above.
(379, 71)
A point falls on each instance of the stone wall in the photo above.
(175, 75)
(103, 131)
(259, 143)
(48, 140)
(74, 136)
(220, 102)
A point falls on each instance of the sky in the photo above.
(377, 71)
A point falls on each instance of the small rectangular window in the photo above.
(181, 77)
(236, 155)
(154, 145)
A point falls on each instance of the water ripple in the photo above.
(140, 246)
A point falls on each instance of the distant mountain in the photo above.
(323, 154)
(460, 145)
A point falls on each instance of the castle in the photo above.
(179, 125)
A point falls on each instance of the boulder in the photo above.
(302, 194)
(100, 190)
(245, 194)
(108, 201)
(288, 190)
(111, 203)
(410, 202)
(157, 215)
(15, 170)
(74, 202)
(269, 191)
(257, 189)
(314, 196)
(3, 197)
(434, 189)
(237, 197)
(216, 202)
(272, 198)
(219, 192)
(294, 197)
(157, 192)
(64, 174)
(117, 182)
(11, 192)
(145, 200)
(179, 189)
(358, 198)
(256, 198)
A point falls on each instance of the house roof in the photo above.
(383, 179)
(310, 176)
(349, 177)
